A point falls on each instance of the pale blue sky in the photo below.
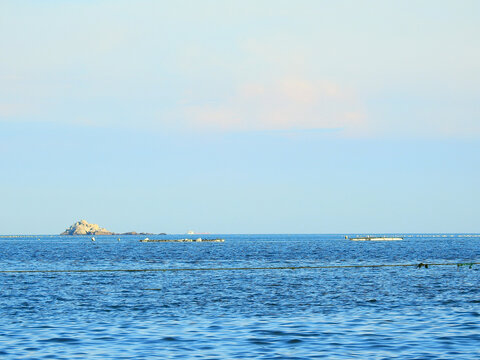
(240, 116)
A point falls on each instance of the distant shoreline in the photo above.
(407, 235)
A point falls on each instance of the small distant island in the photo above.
(83, 227)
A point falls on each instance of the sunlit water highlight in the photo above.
(374, 313)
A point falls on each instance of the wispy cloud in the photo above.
(290, 103)
(10, 111)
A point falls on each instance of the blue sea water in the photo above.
(305, 313)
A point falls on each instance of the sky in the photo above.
(240, 116)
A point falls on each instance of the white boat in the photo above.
(376, 238)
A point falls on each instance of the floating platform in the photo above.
(182, 240)
(376, 238)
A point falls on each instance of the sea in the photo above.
(249, 297)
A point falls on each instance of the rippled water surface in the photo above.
(244, 313)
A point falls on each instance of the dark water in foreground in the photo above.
(335, 313)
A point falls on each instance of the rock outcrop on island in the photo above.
(82, 227)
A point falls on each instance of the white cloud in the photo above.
(290, 103)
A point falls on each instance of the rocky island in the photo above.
(83, 227)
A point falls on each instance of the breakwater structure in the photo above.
(375, 238)
(182, 240)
